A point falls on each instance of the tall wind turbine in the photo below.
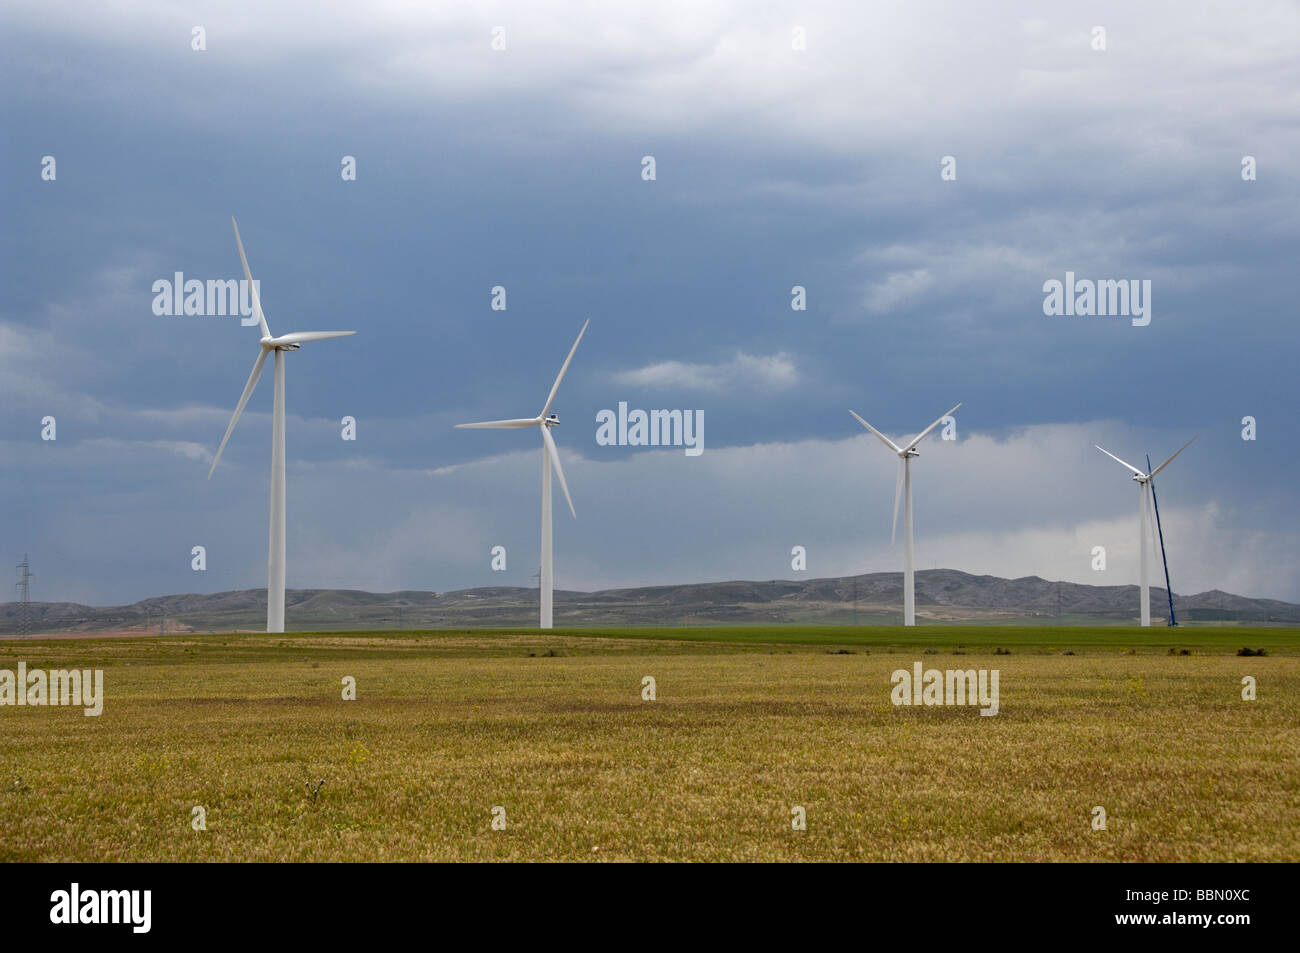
(904, 486)
(278, 345)
(550, 458)
(1143, 480)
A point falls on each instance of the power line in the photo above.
(24, 600)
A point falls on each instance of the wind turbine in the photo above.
(550, 458)
(1143, 480)
(268, 344)
(904, 483)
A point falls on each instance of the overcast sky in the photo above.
(774, 167)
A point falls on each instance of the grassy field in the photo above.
(749, 722)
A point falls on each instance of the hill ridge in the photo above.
(941, 595)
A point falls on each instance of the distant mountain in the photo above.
(942, 595)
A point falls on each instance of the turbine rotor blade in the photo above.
(550, 399)
(883, 439)
(898, 495)
(926, 432)
(302, 337)
(501, 424)
(252, 288)
(1136, 471)
(559, 471)
(243, 399)
(1176, 452)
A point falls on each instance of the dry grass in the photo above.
(443, 731)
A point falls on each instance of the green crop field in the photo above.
(748, 724)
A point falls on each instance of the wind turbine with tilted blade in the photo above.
(1143, 480)
(278, 345)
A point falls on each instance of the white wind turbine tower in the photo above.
(286, 342)
(904, 486)
(550, 458)
(1145, 528)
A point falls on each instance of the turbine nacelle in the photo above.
(551, 420)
